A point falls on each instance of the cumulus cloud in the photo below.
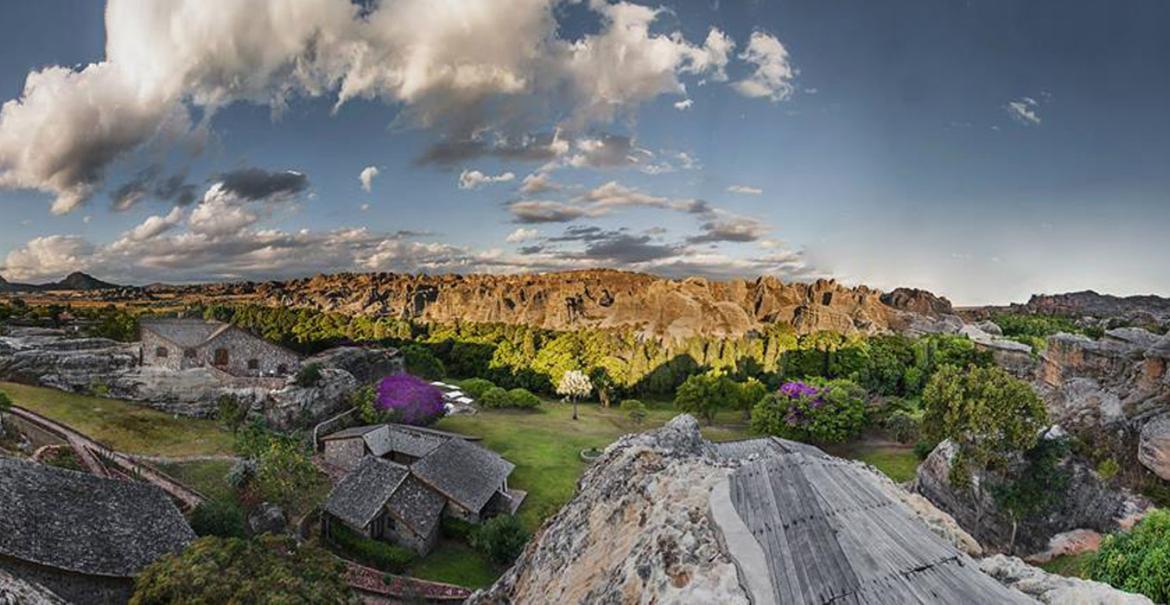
(684, 104)
(774, 75)
(1024, 110)
(52, 255)
(473, 179)
(539, 211)
(466, 68)
(154, 226)
(521, 234)
(745, 189)
(367, 177)
(538, 182)
(722, 226)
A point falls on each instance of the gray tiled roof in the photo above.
(356, 431)
(187, 333)
(413, 441)
(86, 524)
(358, 497)
(464, 472)
(376, 436)
(817, 520)
(417, 505)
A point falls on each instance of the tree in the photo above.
(574, 384)
(751, 391)
(1137, 560)
(705, 394)
(501, 538)
(420, 361)
(222, 517)
(823, 411)
(410, 399)
(285, 474)
(270, 569)
(635, 410)
(986, 412)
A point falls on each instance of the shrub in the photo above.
(523, 399)
(635, 410)
(230, 412)
(476, 387)
(376, 553)
(241, 473)
(832, 411)
(456, 528)
(494, 397)
(903, 427)
(420, 361)
(308, 376)
(412, 399)
(1137, 560)
(705, 394)
(922, 449)
(1108, 468)
(223, 518)
(501, 538)
(285, 474)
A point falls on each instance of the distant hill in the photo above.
(75, 281)
(1091, 303)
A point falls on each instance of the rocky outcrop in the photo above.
(19, 591)
(918, 301)
(367, 364)
(1055, 589)
(1090, 303)
(1088, 503)
(1154, 447)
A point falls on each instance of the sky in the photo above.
(983, 150)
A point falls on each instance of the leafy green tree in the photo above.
(476, 387)
(285, 474)
(635, 410)
(1036, 487)
(987, 413)
(821, 411)
(707, 393)
(574, 384)
(1137, 560)
(420, 361)
(214, 570)
(750, 392)
(501, 538)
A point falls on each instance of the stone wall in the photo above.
(161, 353)
(248, 355)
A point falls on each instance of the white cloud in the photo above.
(367, 177)
(745, 189)
(441, 62)
(53, 255)
(1024, 111)
(365, 207)
(537, 182)
(774, 74)
(684, 104)
(521, 234)
(473, 179)
(154, 226)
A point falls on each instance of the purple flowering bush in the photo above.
(821, 411)
(409, 399)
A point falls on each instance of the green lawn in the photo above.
(124, 426)
(897, 461)
(1073, 566)
(208, 477)
(545, 445)
(456, 563)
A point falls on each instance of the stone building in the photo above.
(83, 537)
(182, 344)
(403, 479)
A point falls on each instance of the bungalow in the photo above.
(182, 344)
(83, 537)
(403, 479)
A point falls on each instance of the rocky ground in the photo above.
(638, 532)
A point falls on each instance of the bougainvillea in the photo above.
(832, 410)
(410, 399)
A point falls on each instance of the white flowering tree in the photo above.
(574, 384)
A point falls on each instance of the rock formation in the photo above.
(1055, 589)
(646, 527)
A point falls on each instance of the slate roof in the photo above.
(831, 534)
(414, 441)
(464, 472)
(376, 436)
(356, 431)
(78, 522)
(417, 505)
(187, 333)
(361, 494)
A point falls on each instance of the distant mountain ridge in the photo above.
(74, 282)
(1088, 302)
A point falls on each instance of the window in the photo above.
(221, 357)
(282, 369)
(253, 364)
(160, 352)
(189, 353)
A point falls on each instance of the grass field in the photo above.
(124, 426)
(897, 461)
(456, 563)
(208, 477)
(1073, 566)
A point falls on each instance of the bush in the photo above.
(922, 449)
(230, 412)
(523, 399)
(825, 411)
(1137, 560)
(308, 376)
(476, 387)
(375, 553)
(501, 538)
(411, 399)
(635, 410)
(1108, 468)
(223, 518)
(494, 397)
(241, 473)
(903, 427)
(420, 361)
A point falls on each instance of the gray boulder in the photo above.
(1055, 589)
(367, 364)
(1154, 447)
(268, 518)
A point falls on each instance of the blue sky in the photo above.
(983, 150)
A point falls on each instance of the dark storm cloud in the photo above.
(530, 148)
(147, 183)
(258, 184)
